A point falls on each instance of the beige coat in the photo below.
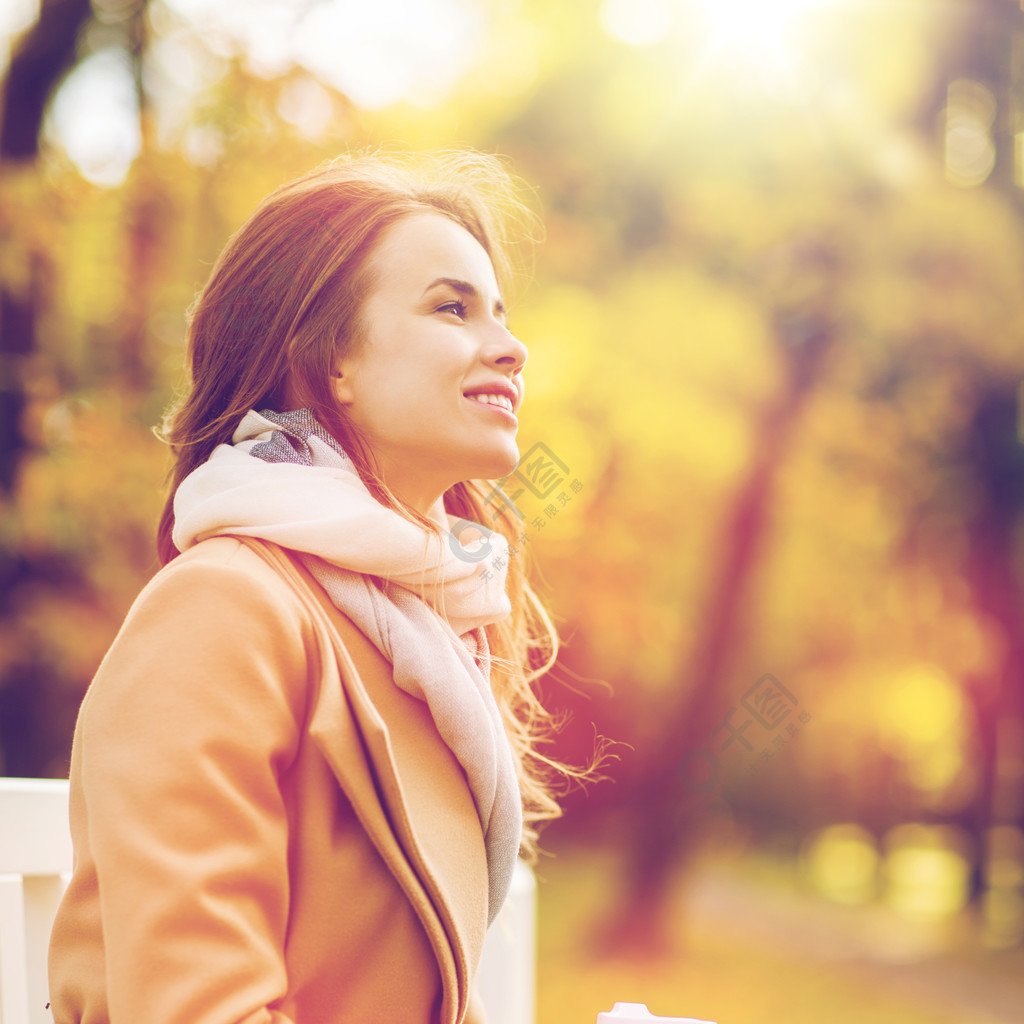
(255, 841)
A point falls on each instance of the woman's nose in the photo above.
(507, 352)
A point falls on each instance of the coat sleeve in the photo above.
(183, 738)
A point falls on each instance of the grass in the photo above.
(758, 953)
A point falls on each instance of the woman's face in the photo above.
(435, 381)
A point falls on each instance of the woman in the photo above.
(303, 772)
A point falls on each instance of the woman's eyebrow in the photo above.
(470, 291)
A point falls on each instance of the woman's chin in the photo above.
(491, 463)
(501, 465)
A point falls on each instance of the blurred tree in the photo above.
(34, 715)
(980, 86)
(802, 280)
(996, 575)
(40, 60)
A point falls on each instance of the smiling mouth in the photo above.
(501, 401)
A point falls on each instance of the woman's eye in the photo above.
(456, 307)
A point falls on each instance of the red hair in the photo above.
(282, 307)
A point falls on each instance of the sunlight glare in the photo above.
(636, 22)
(755, 26)
(95, 118)
(377, 54)
(762, 42)
(391, 50)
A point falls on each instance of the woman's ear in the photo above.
(341, 380)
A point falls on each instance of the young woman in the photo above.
(303, 773)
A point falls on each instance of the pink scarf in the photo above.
(285, 480)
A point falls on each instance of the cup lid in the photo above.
(637, 1013)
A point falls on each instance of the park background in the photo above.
(776, 333)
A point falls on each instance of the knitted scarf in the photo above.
(422, 599)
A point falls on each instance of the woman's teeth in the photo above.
(503, 400)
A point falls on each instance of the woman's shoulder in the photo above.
(230, 555)
(221, 590)
(218, 614)
(223, 568)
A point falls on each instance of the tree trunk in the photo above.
(668, 812)
(37, 66)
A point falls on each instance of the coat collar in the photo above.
(404, 783)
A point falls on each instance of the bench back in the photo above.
(35, 865)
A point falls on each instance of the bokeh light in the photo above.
(970, 150)
(922, 721)
(1003, 901)
(842, 863)
(927, 870)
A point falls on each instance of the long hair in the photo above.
(280, 309)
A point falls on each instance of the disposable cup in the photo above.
(637, 1013)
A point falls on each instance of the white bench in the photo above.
(35, 864)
